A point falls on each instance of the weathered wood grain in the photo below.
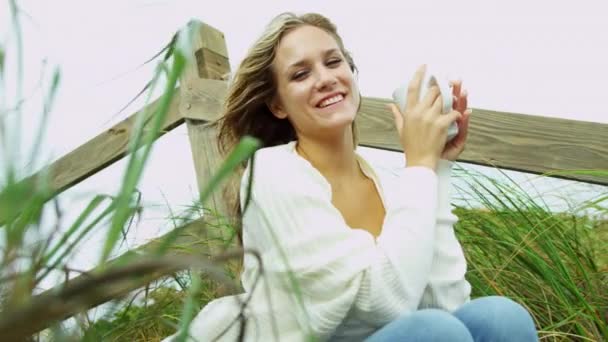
(202, 99)
(510, 141)
(103, 150)
(506, 140)
(202, 92)
(78, 295)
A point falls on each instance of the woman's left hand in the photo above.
(454, 147)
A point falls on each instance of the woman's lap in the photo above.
(423, 325)
(483, 319)
(497, 319)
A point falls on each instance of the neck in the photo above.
(334, 158)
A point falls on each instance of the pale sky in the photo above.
(532, 57)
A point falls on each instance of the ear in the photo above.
(276, 108)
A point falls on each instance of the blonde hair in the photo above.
(253, 87)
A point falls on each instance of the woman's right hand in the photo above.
(422, 128)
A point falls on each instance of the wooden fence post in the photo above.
(210, 63)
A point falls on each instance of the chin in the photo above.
(336, 125)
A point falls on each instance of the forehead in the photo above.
(302, 43)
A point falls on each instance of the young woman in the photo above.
(350, 251)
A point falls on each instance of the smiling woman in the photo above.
(309, 58)
(247, 105)
(349, 250)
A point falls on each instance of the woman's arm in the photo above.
(447, 288)
(310, 252)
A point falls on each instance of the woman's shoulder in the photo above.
(271, 162)
(278, 168)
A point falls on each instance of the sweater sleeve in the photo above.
(447, 288)
(309, 251)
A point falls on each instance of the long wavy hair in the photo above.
(253, 86)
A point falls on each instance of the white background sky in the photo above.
(533, 57)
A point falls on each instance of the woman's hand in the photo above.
(454, 147)
(422, 128)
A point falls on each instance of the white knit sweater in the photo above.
(323, 280)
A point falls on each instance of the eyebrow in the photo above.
(304, 61)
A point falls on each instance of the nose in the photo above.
(326, 79)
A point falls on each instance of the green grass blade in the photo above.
(133, 173)
(244, 150)
(77, 225)
(189, 309)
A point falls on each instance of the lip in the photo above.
(330, 96)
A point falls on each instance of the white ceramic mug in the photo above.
(429, 80)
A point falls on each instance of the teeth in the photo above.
(331, 100)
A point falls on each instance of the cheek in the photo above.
(295, 101)
(356, 99)
(299, 95)
(355, 95)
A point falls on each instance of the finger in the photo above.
(460, 102)
(397, 116)
(464, 124)
(456, 87)
(450, 117)
(413, 89)
(464, 101)
(463, 128)
(431, 98)
(438, 103)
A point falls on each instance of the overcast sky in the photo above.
(532, 57)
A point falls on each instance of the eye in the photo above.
(334, 62)
(300, 75)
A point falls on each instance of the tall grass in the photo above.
(34, 243)
(548, 262)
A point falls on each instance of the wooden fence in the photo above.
(509, 141)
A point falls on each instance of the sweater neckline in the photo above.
(365, 166)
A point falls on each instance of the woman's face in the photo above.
(316, 89)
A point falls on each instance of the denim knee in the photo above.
(496, 318)
(424, 325)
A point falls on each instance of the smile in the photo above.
(330, 101)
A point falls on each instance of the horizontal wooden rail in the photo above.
(504, 140)
(509, 141)
(64, 300)
(104, 149)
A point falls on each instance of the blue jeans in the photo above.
(482, 319)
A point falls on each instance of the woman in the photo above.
(349, 251)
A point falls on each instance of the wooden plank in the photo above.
(103, 150)
(111, 145)
(209, 37)
(202, 99)
(211, 64)
(210, 54)
(510, 141)
(65, 300)
(203, 92)
(207, 160)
